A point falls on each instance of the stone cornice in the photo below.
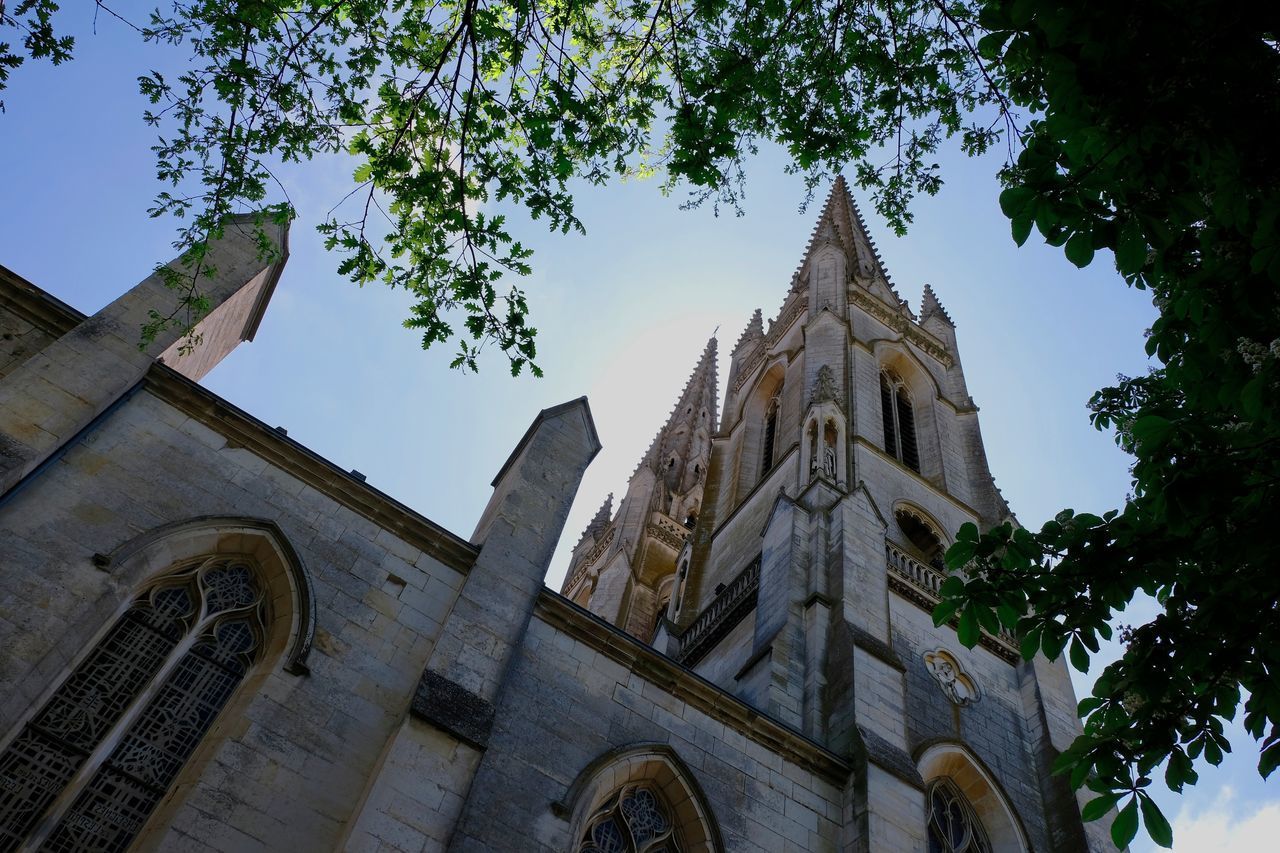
(48, 313)
(245, 431)
(894, 320)
(690, 688)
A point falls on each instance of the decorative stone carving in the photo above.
(829, 462)
(958, 686)
(825, 386)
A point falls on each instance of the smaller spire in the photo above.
(602, 518)
(599, 523)
(753, 332)
(699, 395)
(931, 306)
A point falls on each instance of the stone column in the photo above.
(420, 791)
(57, 392)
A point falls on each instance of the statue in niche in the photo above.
(958, 686)
(824, 385)
(829, 462)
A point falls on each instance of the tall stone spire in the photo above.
(840, 223)
(623, 569)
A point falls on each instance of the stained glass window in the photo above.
(85, 773)
(633, 820)
(953, 826)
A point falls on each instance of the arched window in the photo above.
(968, 811)
(634, 820)
(953, 826)
(922, 535)
(899, 421)
(770, 434)
(88, 769)
(638, 799)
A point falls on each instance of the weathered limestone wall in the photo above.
(30, 320)
(568, 703)
(288, 760)
(994, 728)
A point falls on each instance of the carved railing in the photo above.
(727, 609)
(667, 530)
(921, 583)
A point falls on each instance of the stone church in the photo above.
(213, 639)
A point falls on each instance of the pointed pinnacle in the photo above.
(931, 306)
(699, 390)
(599, 522)
(753, 332)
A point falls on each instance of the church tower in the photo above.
(624, 567)
(847, 455)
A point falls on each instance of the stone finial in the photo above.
(930, 306)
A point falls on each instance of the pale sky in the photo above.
(623, 314)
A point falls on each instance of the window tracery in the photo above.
(899, 421)
(88, 769)
(634, 820)
(953, 825)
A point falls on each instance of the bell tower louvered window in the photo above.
(86, 772)
(899, 421)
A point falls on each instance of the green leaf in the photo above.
(1015, 199)
(1080, 249)
(1152, 430)
(1020, 227)
(1099, 806)
(1031, 643)
(959, 554)
(968, 631)
(1157, 826)
(944, 611)
(1052, 642)
(968, 532)
(363, 173)
(1126, 825)
(1079, 657)
(1131, 251)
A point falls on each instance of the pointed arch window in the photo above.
(86, 772)
(899, 421)
(770, 434)
(953, 825)
(634, 820)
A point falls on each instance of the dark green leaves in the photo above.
(1125, 826)
(1080, 249)
(1157, 826)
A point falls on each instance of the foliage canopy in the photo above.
(1147, 135)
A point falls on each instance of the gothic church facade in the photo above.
(212, 639)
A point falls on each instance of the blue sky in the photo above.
(623, 314)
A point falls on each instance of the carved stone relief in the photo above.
(825, 386)
(958, 686)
